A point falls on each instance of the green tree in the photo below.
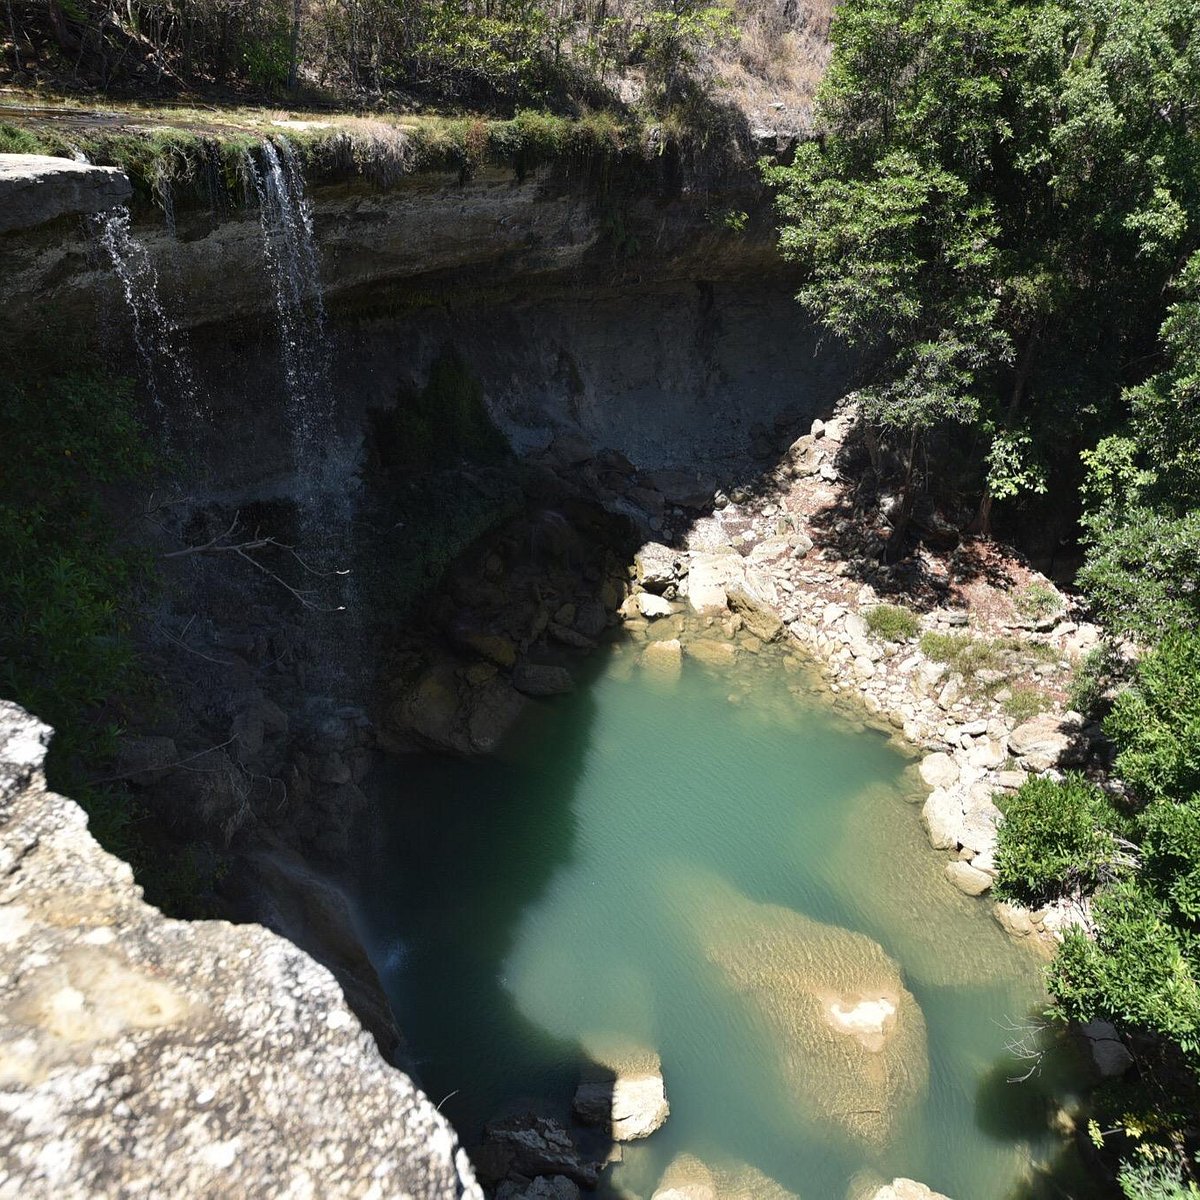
(1000, 194)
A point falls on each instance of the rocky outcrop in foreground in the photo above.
(146, 1056)
(35, 188)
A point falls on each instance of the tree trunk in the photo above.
(293, 64)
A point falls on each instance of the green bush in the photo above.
(1135, 971)
(1156, 722)
(1037, 600)
(1101, 668)
(1025, 702)
(1055, 839)
(892, 622)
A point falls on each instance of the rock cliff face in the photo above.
(145, 1056)
(629, 313)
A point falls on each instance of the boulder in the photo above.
(651, 606)
(939, 771)
(968, 879)
(570, 450)
(758, 620)
(530, 1145)
(139, 1052)
(1049, 740)
(627, 1098)
(36, 188)
(544, 1187)
(898, 1189)
(706, 589)
(495, 708)
(1109, 1053)
(687, 1178)
(536, 680)
(656, 566)
(943, 817)
(682, 488)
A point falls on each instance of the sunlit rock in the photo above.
(623, 1092)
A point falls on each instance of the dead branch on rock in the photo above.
(226, 543)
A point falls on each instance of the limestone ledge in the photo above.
(146, 1056)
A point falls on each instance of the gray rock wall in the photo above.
(145, 1056)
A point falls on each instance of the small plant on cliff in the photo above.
(892, 622)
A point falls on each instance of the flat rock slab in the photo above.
(36, 188)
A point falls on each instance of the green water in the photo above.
(611, 877)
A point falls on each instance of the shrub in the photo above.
(1037, 600)
(1025, 702)
(892, 622)
(1156, 722)
(1133, 972)
(1056, 838)
(1100, 669)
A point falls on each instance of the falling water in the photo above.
(291, 256)
(324, 462)
(157, 337)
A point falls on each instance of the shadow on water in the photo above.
(453, 852)
(1030, 1096)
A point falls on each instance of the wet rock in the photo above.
(626, 1097)
(564, 635)
(968, 879)
(535, 680)
(758, 619)
(531, 1145)
(495, 647)
(1014, 919)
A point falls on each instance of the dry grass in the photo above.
(773, 70)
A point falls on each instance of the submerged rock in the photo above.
(866, 1188)
(664, 657)
(758, 619)
(687, 1178)
(535, 680)
(851, 1037)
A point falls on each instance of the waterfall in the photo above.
(292, 264)
(324, 463)
(157, 337)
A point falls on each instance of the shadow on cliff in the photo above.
(450, 856)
